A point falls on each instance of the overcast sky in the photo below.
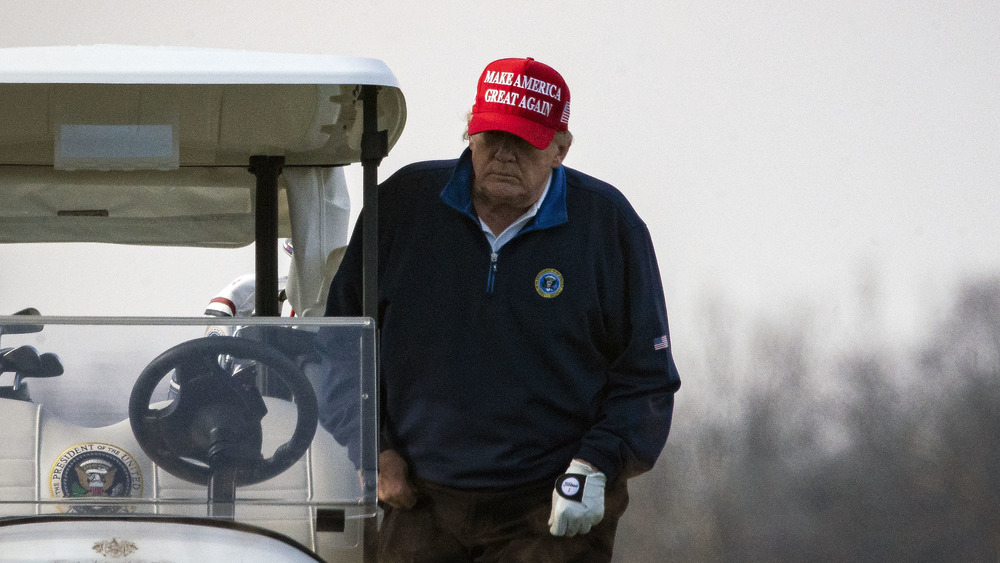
(782, 152)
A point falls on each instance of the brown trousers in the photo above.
(452, 525)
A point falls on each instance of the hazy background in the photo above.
(819, 179)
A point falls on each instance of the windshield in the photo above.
(140, 415)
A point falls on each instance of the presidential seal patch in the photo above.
(95, 470)
(549, 283)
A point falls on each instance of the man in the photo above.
(525, 360)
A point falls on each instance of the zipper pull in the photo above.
(491, 278)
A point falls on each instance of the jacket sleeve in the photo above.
(634, 419)
(337, 385)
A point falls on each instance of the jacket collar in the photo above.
(457, 193)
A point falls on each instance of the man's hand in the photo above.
(577, 500)
(393, 484)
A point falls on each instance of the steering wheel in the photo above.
(214, 423)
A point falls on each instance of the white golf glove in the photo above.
(577, 500)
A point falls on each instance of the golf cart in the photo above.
(100, 456)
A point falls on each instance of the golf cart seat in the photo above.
(37, 448)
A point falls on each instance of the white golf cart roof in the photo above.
(177, 127)
(130, 64)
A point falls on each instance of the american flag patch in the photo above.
(661, 343)
(565, 114)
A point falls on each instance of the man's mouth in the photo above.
(505, 177)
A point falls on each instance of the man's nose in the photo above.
(506, 147)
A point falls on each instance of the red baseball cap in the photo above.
(524, 97)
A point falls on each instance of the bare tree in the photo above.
(865, 455)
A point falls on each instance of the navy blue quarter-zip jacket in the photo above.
(499, 368)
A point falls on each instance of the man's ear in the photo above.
(559, 155)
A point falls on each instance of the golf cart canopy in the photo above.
(151, 145)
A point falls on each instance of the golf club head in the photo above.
(21, 358)
(49, 365)
(22, 328)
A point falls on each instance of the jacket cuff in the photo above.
(602, 462)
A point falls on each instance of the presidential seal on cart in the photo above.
(96, 470)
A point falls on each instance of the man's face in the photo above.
(510, 171)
